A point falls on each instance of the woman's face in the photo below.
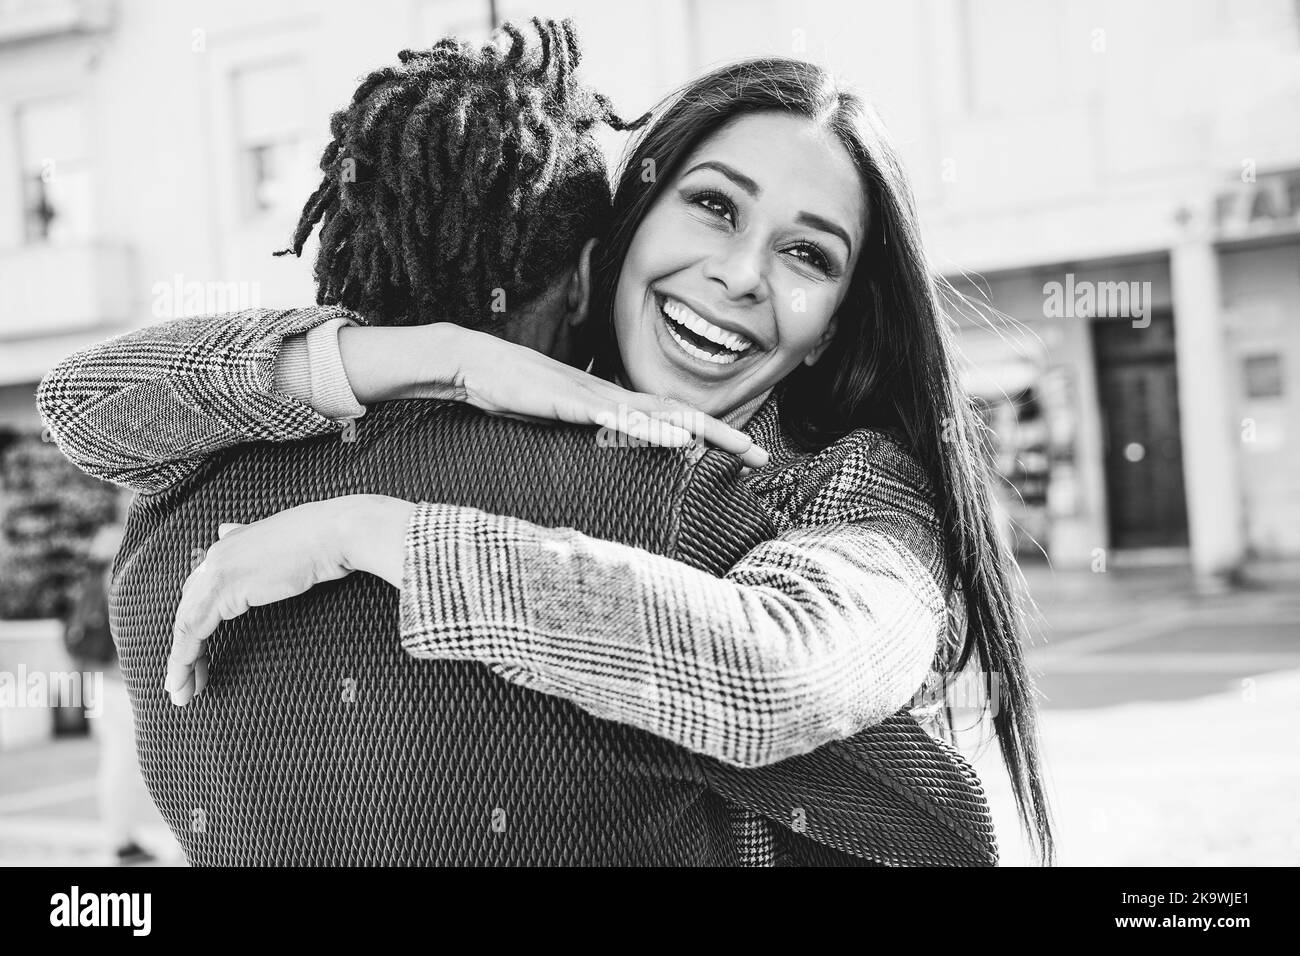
(735, 273)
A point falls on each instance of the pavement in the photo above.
(49, 814)
(1168, 720)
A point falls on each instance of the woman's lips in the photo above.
(700, 339)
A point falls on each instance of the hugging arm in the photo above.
(144, 409)
(828, 628)
(811, 637)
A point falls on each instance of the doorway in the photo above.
(1137, 381)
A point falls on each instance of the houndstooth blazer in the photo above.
(829, 627)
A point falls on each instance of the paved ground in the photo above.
(49, 814)
(1169, 723)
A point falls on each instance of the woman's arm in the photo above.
(143, 409)
(809, 638)
(828, 628)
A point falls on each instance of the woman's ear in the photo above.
(578, 300)
(822, 343)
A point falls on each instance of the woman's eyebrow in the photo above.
(735, 175)
(751, 187)
(825, 225)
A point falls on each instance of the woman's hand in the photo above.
(277, 558)
(508, 379)
(450, 362)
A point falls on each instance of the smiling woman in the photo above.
(758, 166)
(736, 272)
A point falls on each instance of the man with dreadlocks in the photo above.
(461, 186)
(461, 172)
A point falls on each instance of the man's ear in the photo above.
(822, 343)
(578, 300)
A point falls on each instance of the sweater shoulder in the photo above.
(863, 469)
(866, 473)
(859, 460)
(869, 478)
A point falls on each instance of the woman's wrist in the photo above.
(384, 363)
(446, 349)
(374, 535)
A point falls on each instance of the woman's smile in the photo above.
(694, 338)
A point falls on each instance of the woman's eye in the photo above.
(813, 257)
(716, 204)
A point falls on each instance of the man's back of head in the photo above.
(463, 185)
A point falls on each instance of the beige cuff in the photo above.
(331, 392)
(309, 368)
(293, 369)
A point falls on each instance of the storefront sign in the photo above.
(1268, 204)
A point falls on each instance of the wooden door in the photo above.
(1137, 378)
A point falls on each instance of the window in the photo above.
(270, 110)
(1262, 375)
(56, 186)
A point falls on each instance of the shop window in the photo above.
(1018, 433)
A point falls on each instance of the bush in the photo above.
(49, 512)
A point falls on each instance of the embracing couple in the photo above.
(756, 283)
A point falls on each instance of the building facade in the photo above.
(1116, 186)
(1140, 224)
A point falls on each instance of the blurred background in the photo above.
(1113, 186)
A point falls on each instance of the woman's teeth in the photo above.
(733, 346)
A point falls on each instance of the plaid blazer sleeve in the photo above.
(824, 630)
(145, 408)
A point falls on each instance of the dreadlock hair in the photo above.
(458, 177)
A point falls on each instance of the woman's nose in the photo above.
(740, 266)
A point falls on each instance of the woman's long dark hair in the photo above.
(890, 365)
